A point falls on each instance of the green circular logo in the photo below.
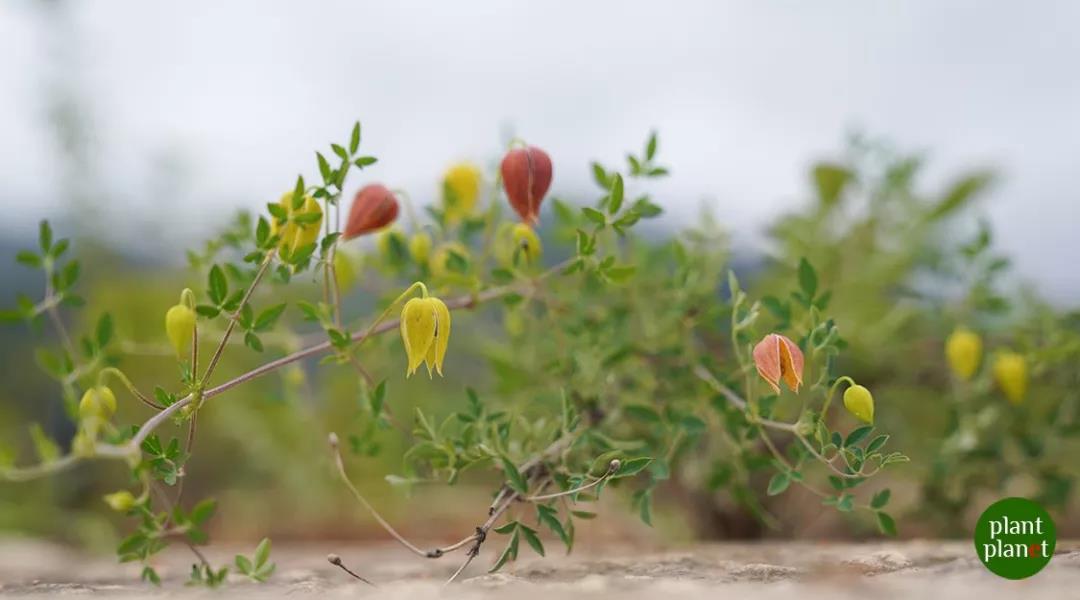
(1015, 538)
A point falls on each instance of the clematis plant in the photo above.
(606, 377)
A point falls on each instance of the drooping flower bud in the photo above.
(1011, 374)
(860, 402)
(963, 350)
(420, 247)
(461, 190)
(425, 332)
(303, 225)
(97, 402)
(180, 327)
(517, 244)
(526, 174)
(778, 358)
(373, 208)
(121, 501)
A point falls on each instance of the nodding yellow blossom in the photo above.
(425, 331)
(180, 327)
(440, 260)
(963, 350)
(461, 190)
(1011, 373)
(518, 244)
(303, 225)
(420, 247)
(860, 402)
(98, 402)
(121, 501)
(344, 271)
(777, 358)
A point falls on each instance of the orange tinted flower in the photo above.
(373, 208)
(778, 358)
(526, 174)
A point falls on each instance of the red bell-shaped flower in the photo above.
(373, 208)
(526, 174)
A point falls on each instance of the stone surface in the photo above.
(792, 570)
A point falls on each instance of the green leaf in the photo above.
(533, 540)
(857, 435)
(808, 281)
(880, 499)
(513, 477)
(46, 448)
(252, 341)
(650, 147)
(218, 286)
(243, 564)
(960, 193)
(149, 575)
(29, 259)
(630, 467)
(877, 443)
(594, 215)
(548, 516)
(203, 511)
(354, 138)
(615, 197)
(45, 236)
(268, 318)
(600, 176)
(508, 553)
(830, 180)
(262, 552)
(886, 524)
(779, 482)
(621, 273)
(104, 331)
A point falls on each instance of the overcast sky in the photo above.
(196, 107)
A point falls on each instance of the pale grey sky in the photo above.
(198, 106)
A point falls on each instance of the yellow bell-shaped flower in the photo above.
(303, 225)
(98, 402)
(963, 350)
(1011, 373)
(425, 332)
(860, 402)
(461, 190)
(180, 327)
(420, 247)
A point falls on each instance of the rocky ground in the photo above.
(792, 570)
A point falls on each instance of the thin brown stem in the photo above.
(235, 317)
(335, 560)
(367, 505)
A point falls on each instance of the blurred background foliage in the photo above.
(904, 266)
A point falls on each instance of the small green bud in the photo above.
(180, 327)
(860, 402)
(121, 501)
